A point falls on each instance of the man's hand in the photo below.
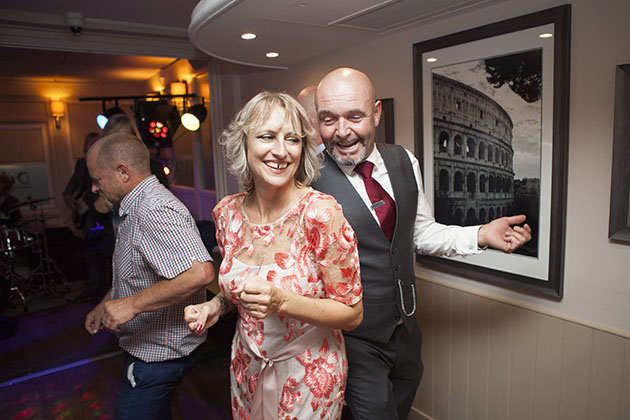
(94, 319)
(502, 235)
(117, 312)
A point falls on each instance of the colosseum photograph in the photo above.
(487, 141)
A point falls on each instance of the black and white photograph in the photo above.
(487, 141)
(491, 136)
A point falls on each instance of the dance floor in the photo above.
(53, 369)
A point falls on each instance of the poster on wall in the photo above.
(30, 180)
(492, 136)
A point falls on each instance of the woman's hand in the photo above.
(260, 298)
(202, 316)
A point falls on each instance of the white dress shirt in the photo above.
(430, 237)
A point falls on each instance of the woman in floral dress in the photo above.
(290, 266)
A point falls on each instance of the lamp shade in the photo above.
(178, 88)
(193, 118)
(57, 108)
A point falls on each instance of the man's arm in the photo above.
(433, 238)
(161, 295)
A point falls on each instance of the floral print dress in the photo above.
(310, 251)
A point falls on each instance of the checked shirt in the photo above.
(157, 239)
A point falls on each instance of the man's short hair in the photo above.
(122, 147)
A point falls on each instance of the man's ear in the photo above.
(123, 173)
(378, 108)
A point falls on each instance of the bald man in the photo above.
(306, 98)
(380, 189)
(160, 266)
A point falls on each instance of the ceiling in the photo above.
(298, 30)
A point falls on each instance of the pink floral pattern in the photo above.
(311, 251)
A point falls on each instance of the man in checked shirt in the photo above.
(160, 265)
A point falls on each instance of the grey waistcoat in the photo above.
(383, 264)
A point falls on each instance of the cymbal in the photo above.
(28, 202)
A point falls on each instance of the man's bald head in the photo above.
(351, 78)
(306, 98)
(122, 148)
(348, 114)
(117, 163)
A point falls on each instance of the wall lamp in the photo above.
(57, 110)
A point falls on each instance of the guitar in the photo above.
(79, 210)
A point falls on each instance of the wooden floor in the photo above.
(51, 368)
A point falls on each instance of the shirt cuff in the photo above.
(468, 242)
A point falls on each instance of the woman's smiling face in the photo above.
(273, 151)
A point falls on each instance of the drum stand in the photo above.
(13, 279)
(47, 268)
(43, 280)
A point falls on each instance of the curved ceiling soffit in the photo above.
(202, 16)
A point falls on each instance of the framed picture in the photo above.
(491, 129)
(619, 222)
(385, 130)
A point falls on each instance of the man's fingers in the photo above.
(191, 313)
(515, 220)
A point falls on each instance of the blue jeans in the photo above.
(148, 388)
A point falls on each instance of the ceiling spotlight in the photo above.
(545, 35)
(192, 119)
(272, 54)
(431, 60)
(102, 119)
(248, 36)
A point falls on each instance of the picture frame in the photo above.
(491, 134)
(385, 130)
(619, 222)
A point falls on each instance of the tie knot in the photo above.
(364, 169)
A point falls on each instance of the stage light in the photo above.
(157, 122)
(192, 119)
(102, 119)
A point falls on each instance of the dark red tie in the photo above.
(382, 203)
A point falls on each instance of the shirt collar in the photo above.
(128, 201)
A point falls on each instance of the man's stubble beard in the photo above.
(346, 162)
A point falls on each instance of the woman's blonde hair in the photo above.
(253, 114)
(121, 123)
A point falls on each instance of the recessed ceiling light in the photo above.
(248, 36)
(431, 60)
(545, 35)
(272, 54)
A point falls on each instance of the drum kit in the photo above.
(26, 269)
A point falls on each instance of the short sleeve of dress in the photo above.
(333, 242)
(221, 215)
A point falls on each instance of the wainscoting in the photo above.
(485, 359)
